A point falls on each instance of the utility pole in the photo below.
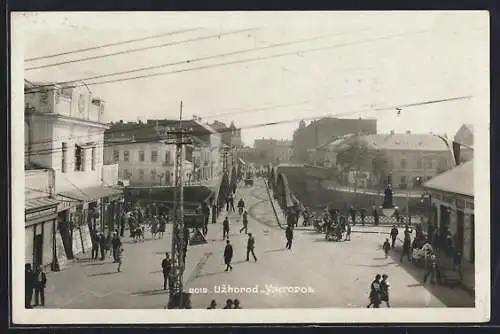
(179, 240)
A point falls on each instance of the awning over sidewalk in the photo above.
(38, 204)
(39, 210)
(91, 193)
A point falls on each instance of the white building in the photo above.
(64, 134)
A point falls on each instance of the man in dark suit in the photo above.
(40, 284)
(228, 255)
(29, 285)
(166, 265)
(289, 237)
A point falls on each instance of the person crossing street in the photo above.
(251, 247)
(289, 237)
(228, 255)
(245, 222)
(225, 228)
(394, 235)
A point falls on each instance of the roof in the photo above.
(191, 123)
(39, 203)
(459, 180)
(133, 132)
(407, 142)
(90, 193)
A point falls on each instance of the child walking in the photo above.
(386, 246)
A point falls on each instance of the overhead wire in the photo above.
(101, 46)
(145, 48)
(140, 69)
(317, 49)
(264, 124)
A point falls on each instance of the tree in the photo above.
(380, 166)
(355, 157)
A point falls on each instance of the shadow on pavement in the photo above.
(375, 265)
(96, 264)
(156, 272)
(211, 274)
(103, 274)
(275, 250)
(146, 293)
(238, 262)
(445, 294)
(415, 285)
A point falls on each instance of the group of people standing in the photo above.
(35, 282)
(230, 304)
(104, 244)
(379, 291)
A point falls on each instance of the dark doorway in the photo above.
(38, 250)
(460, 231)
(472, 241)
(444, 224)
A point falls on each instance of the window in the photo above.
(403, 163)
(64, 157)
(154, 156)
(167, 157)
(126, 155)
(141, 156)
(141, 174)
(126, 174)
(94, 157)
(419, 163)
(116, 155)
(153, 175)
(428, 163)
(78, 158)
(403, 181)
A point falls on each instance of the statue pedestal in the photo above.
(388, 212)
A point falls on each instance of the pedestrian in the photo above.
(225, 228)
(163, 225)
(229, 304)
(228, 255)
(352, 212)
(40, 284)
(231, 202)
(386, 247)
(363, 216)
(394, 234)
(289, 237)
(116, 244)
(348, 232)
(245, 222)
(166, 266)
(227, 203)
(406, 249)
(214, 214)
(119, 258)
(375, 292)
(384, 289)
(95, 245)
(431, 269)
(212, 306)
(102, 245)
(29, 285)
(251, 247)
(236, 304)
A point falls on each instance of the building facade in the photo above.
(65, 135)
(323, 131)
(274, 150)
(452, 209)
(411, 158)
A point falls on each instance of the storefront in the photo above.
(452, 194)
(92, 209)
(40, 224)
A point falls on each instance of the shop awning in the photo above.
(459, 180)
(38, 204)
(91, 193)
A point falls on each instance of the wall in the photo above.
(110, 174)
(37, 183)
(418, 164)
(130, 170)
(320, 132)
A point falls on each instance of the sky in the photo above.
(347, 64)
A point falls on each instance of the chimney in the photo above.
(408, 132)
(392, 132)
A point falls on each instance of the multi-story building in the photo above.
(323, 131)
(410, 157)
(204, 152)
(64, 134)
(230, 135)
(145, 157)
(273, 150)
